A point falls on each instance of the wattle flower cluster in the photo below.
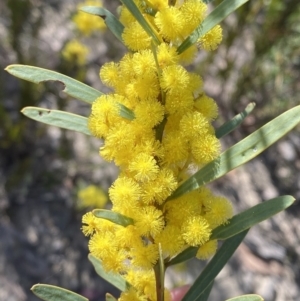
(165, 131)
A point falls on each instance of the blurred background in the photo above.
(43, 170)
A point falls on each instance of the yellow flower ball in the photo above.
(207, 250)
(211, 40)
(75, 52)
(196, 231)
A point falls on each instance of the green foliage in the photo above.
(116, 280)
(59, 119)
(115, 26)
(252, 216)
(213, 268)
(54, 293)
(109, 297)
(229, 126)
(126, 113)
(183, 256)
(242, 152)
(114, 217)
(72, 87)
(205, 294)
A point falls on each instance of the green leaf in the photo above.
(114, 217)
(183, 256)
(126, 112)
(115, 26)
(252, 216)
(204, 296)
(229, 126)
(213, 268)
(131, 6)
(109, 297)
(214, 18)
(72, 87)
(57, 118)
(115, 279)
(242, 152)
(54, 293)
(247, 298)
